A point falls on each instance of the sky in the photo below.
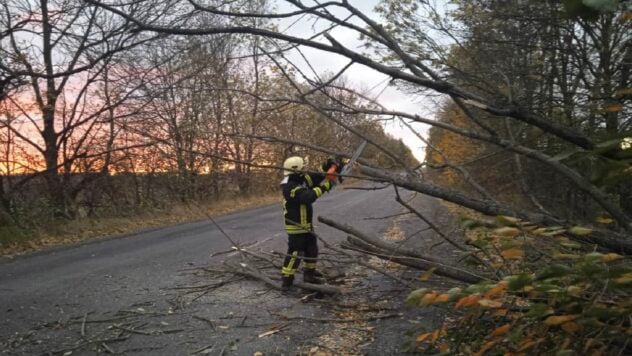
(359, 76)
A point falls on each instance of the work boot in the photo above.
(309, 276)
(286, 283)
(317, 273)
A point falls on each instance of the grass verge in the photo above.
(14, 241)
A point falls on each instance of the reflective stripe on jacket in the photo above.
(299, 192)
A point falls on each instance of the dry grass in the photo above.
(66, 233)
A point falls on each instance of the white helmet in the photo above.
(293, 164)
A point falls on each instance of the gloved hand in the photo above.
(330, 162)
(326, 185)
(339, 170)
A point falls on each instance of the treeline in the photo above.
(569, 64)
(97, 118)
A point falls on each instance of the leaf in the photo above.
(488, 345)
(500, 312)
(501, 330)
(435, 335)
(565, 256)
(609, 257)
(539, 310)
(527, 344)
(512, 254)
(580, 231)
(442, 298)
(507, 231)
(489, 303)
(559, 319)
(604, 220)
(428, 299)
(444, 348)
(625, 279)
(423, 337)
(468, 223)
(415, 296)
(467, 301)
(549, 231)
(554, 271)
(496, 291)
(426, 275)
(507, 220)
(571, 327)
(613, 108)
(518, 282)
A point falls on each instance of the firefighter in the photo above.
(300, 189)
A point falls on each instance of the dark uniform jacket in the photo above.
(299, 192)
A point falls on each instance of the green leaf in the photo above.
(580, 231)
(618, 271)
(469, 223)
(602, 313)
(571, 244)
(415, 296)
(507, 220)
(518, 282)
(554, 271)
(547, 287)
(539, 310)
(478, 288)
(601, 5)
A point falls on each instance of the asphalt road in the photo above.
(71, 300)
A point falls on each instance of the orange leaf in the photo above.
(428, 298)
(442, 298)
(571, 327)
(512, 254)
(488, 345)
(488, 303)
(427, 274)
(559, 319)
(527, 345)
(498, 290)
(445, 347)
(613, 108)
(609, 257)
(435, 335)
(501, 312)
(501, 330)
(467, 301)
(423, 337)
(507, 231)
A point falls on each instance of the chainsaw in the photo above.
(331, 172)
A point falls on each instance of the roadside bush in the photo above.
(551, 295)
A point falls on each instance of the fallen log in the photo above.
(457, 274)
(252, 273)
(401, 254)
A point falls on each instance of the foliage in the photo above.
(552, 295)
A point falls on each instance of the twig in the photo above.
(336, 320)
(107, 348)
(204, 348)
(134, 331)
(97, 341)
(208, 321)
(83, 325)
(232, 249)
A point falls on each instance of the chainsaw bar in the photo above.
(347, 168)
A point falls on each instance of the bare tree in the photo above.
(62, 49)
